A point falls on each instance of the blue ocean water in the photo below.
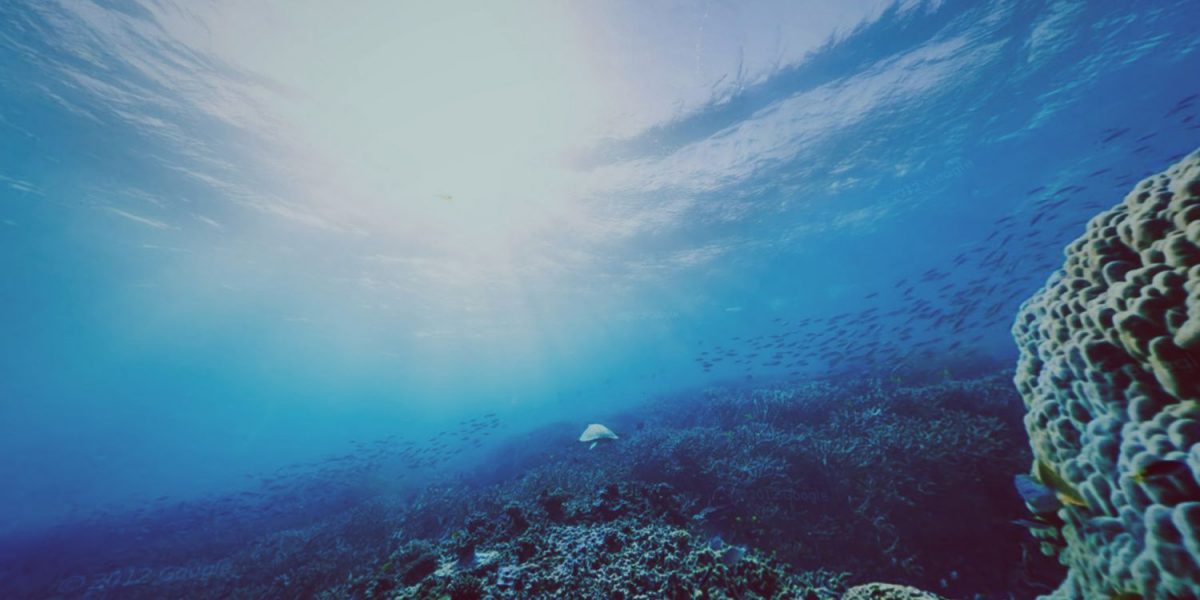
(269, 264)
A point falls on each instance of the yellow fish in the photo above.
(1067, 494)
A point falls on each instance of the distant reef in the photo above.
(1109, 372)
(797, 490)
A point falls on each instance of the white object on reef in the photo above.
(596, 432)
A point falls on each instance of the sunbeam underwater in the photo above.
(804, 299)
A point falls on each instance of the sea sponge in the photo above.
(1108, 370)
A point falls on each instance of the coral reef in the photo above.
(886, 591)
(845, 483)
(597, 555)
(784, 490)
(1108, 372)
(806, 469)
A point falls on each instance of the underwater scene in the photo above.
(463, 300)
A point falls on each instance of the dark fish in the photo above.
(1039, 498)
(1031, 524)
(1161, 469)
(1114, 134)
(1183, 104)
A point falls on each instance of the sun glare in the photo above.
(452, 122)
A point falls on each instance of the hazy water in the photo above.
(226, 249)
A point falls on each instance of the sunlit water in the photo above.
(241, 240)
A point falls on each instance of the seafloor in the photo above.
(791, 490)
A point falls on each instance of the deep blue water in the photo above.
(236, 242)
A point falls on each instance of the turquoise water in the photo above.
(237, 241)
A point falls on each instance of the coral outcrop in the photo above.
(1108, 371)
(592, 555)
(887, 591)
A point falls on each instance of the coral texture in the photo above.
(594, 558)
(1108, 372)
(845, 483)
(886, 591)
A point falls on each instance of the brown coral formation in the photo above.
(1110, 350)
